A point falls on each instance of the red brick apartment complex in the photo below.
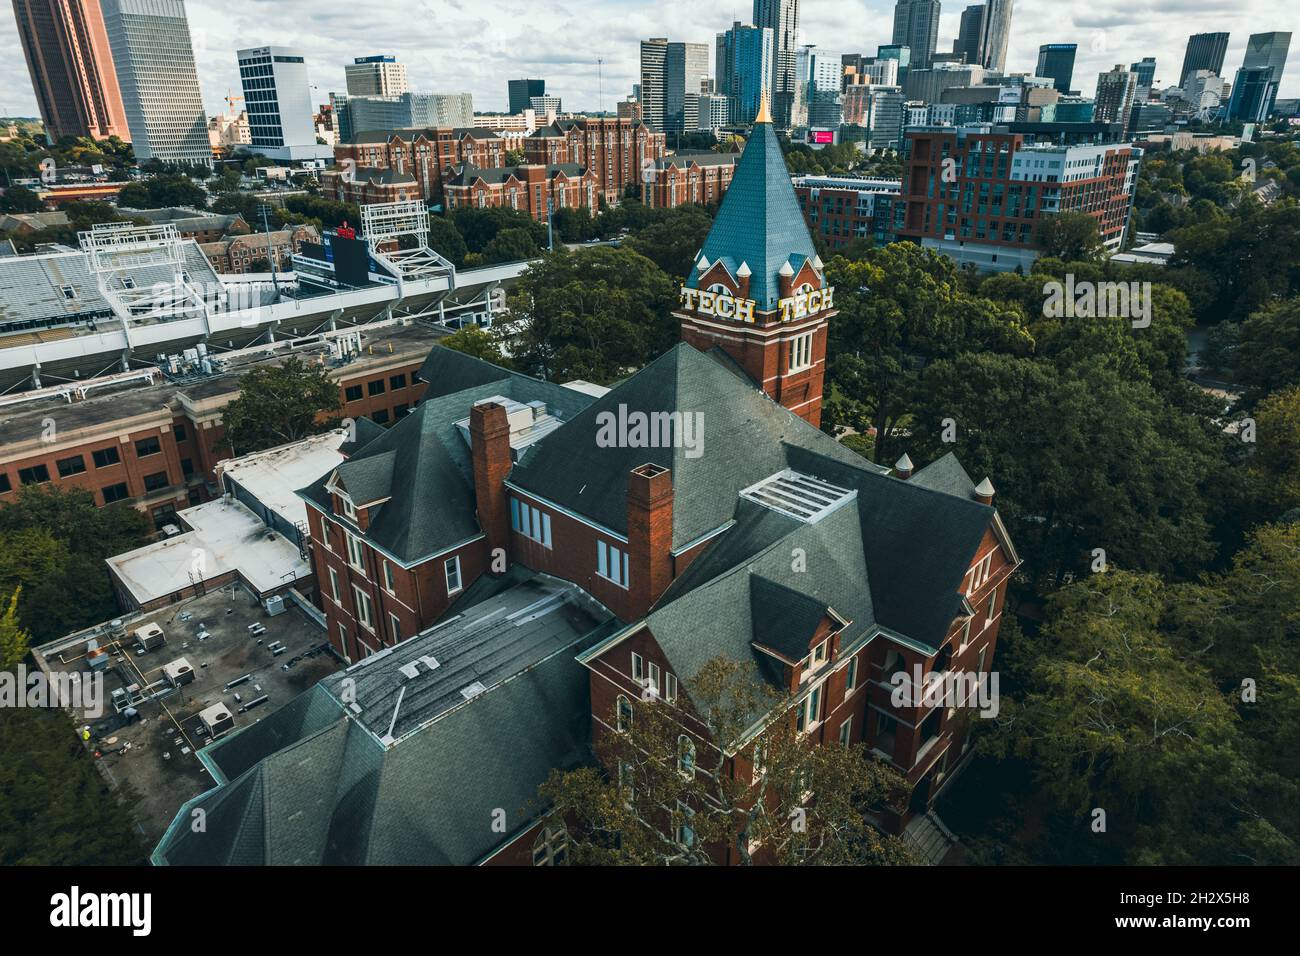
(155, 446)
(977, 193)
(615, 149)
(530, 189)
(395, 165)
(517, 568)
(690, 177)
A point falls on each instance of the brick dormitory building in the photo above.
(507, 587)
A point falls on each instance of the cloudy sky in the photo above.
(476, 45)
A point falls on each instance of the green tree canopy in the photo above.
(279, 404)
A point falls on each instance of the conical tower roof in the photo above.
(760, 224)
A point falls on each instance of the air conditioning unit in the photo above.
(150, 637)
(218, 720)
(178, 672)
(275, 605)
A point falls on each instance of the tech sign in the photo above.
(724, 305)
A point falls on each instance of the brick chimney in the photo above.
(984, 492)
(489, 440)
(903, 467)
(649, 536)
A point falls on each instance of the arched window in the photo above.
(685, 756)
(623, 715)
(551, 848)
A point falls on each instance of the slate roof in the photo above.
(366, 431)
(746, 437)
(759, 223)
(467, 173)
(313, 787)
(422, 465)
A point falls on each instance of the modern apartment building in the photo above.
(997, 188)
(68, 56)
(154, 60)
(840, 210)
(1116, 91)
(818, 80)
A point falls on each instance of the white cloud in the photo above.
(459, 45)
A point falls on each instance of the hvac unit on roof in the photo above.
(150, 637)
(218, 720)
(178, 672)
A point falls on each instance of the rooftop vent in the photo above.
(798, 495)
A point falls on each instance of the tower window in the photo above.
(801, 352)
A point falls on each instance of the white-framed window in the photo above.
(759, 766)
(810, 710)
(334, 587)
(979, 665)
(356, 553)
(670, 688)
(349, 508)
(388, 578)
(623, 715)
(686, 756)
(846, 732)
(652, 678)
(364, 611)
(551, 848)
(611, 563)
(819, 653)
(325, 535)
(451, 569)
(530, 522)
(395, 628)
(851, 675)
(979, 574)
(965, 633)
(638, 667)
(801, 352)
(992, 608)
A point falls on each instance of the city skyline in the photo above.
(505, 36)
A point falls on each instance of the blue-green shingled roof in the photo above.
(760, 223)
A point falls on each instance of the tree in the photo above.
(53, 543)
(445, 239)
(1267, 353)
(162, 191)
(280, 404)
(594, 314)
(20, 199)
(1277, 458)
(673, 243)
(13, 639)
(511, 245)
(1070, 236)
(679, 798)
(478, 342)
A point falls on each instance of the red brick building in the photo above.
(615, 149)
(842, 209)
(690, 177)
(518, 569)
(378, 166)
(530, 189)
(978, 193)
(236, 255)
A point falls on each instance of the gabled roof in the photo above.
(784, 619)
(759, 223)
(745, 437)
(365, 431)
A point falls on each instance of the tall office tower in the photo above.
(996, 35)
(782, 18)
(1056, 61)
(522, 91)
(1115, 93)
(902, 55)
(1268, 50)
(686, 76)
(971, 32)
(743, 69)
(1205, 51)
(376, 76)
(545, 105)
(154, 62)
(68, 57)
(916, 25)
(1253, 93)
(653, 54)
(277, 97)
(818, 75)
(1145, 69)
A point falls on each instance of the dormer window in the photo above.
(349, 508)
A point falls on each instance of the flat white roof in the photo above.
(226, 537)
(273, 476)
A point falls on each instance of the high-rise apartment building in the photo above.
(277, 97)
(916, 26)
(68, 56)
(154, 61)
(1205, 51)
(782, 18)
(1056, 62)
(1115, 93)
(744, 69)
(376, 76)
(818, 74)
(521, 92)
